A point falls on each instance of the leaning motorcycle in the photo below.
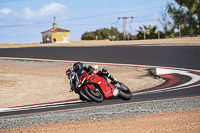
(92, 87)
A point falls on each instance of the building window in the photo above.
(54, 39)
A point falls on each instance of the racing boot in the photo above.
(113, 80)
(115, 83)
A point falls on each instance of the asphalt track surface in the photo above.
(187, 57)
(170, 56)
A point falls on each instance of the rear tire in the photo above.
(95, 96)
(125, 93)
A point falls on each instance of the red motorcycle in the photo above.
(92, 87)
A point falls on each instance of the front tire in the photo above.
(124, 93)
(94, 95)
(83, 97)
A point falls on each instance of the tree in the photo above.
(168, 24)
(102, 34)
(186, 15)
(88, 36)
(115, 32)
(150, 33)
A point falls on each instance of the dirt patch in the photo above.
(173, 122)
(29, 82)
(170, 41)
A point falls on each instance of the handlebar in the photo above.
(68, 71)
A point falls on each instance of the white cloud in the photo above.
(52, 9)
(5, 12)
(27, 13)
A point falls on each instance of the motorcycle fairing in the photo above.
(103, 84)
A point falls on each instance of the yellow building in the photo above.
(55, 35)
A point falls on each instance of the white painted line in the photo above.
(38, 106)
(2, 109)
(164, 90)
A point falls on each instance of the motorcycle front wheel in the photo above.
(95, 95)
(124, 93)
(83, 97)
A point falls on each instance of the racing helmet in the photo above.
(78, 66)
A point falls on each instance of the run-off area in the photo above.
(34, 82)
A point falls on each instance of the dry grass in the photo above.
(170, 41)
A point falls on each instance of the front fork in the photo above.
(73, 84)
(72, 87)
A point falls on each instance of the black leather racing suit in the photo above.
(102, 72)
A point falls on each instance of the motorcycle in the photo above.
(92, 87)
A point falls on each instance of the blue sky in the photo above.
(23, 21)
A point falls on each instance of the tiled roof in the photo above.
(55, 30)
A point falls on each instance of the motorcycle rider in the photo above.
(78, 68)
(102, 73)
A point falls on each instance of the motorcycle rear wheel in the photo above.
(124, 93)
(94, 95)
